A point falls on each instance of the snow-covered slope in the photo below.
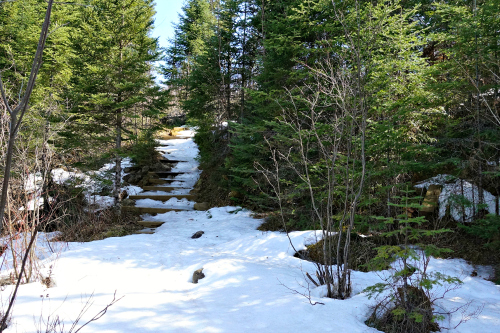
(249, 286)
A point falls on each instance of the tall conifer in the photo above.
(113, 71)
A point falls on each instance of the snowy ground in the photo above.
(247, 288)
(90, 182)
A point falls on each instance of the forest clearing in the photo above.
(279, 166)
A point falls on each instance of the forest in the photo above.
(376, 123)
(370, 96)
(351, 117)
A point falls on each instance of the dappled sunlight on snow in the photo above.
(245, 288)
(252, 281)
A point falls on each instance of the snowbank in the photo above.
(453, 188)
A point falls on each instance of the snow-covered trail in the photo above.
(248, 286)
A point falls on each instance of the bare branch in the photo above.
(13, 298)
(309, 298)
(35, 68)
(21, 108)
(97, 316)
(4, 96)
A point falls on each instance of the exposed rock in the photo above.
(135, 179)
(128, 170)
(127, 178)
(145, 169)
(198, 275)
(197, 234)
(201, 206)
(431, 199)
(145, 180)
(159, 166)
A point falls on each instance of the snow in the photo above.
(452, 187)
(132, 189)
(90, 182)
(33, 182)
(31, 203)
(44, 249)
(249, 286)
(172, 203)
(176, 191)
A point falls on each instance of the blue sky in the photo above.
(167, 13)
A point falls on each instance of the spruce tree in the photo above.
(113, 72)
(191, 34)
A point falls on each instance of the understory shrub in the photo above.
(96, 225)
(409, 310)
(487, 228)
(79, 219)
(144, 152)
(406, 297)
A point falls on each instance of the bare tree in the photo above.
(327, 119)
(17, 113)
(16, 116)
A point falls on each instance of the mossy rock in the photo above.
(362, 251)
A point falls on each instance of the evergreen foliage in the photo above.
(96, 87)
(428, 74)
(328, 112)
(406, 301)
(324, 112)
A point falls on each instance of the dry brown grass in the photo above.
(91, 226)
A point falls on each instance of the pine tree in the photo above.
(20, 21)
(467, 80)
(191, 34)
(113, 72)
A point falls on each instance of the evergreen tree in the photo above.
(467, 81)
(425, 71)
(113, 71)
(20, 22)
(191, 34)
